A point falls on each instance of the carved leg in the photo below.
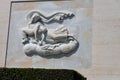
(42, 39)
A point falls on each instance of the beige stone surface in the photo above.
(106, 39)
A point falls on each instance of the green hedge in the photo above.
(39, 74)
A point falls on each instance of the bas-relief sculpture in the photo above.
(38, 39)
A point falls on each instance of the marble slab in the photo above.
(80, 26)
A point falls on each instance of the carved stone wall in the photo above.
(106, 38)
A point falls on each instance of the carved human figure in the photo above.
(39, 32)
(38, 39)
(34, 29)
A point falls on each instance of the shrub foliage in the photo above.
(39, 74)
